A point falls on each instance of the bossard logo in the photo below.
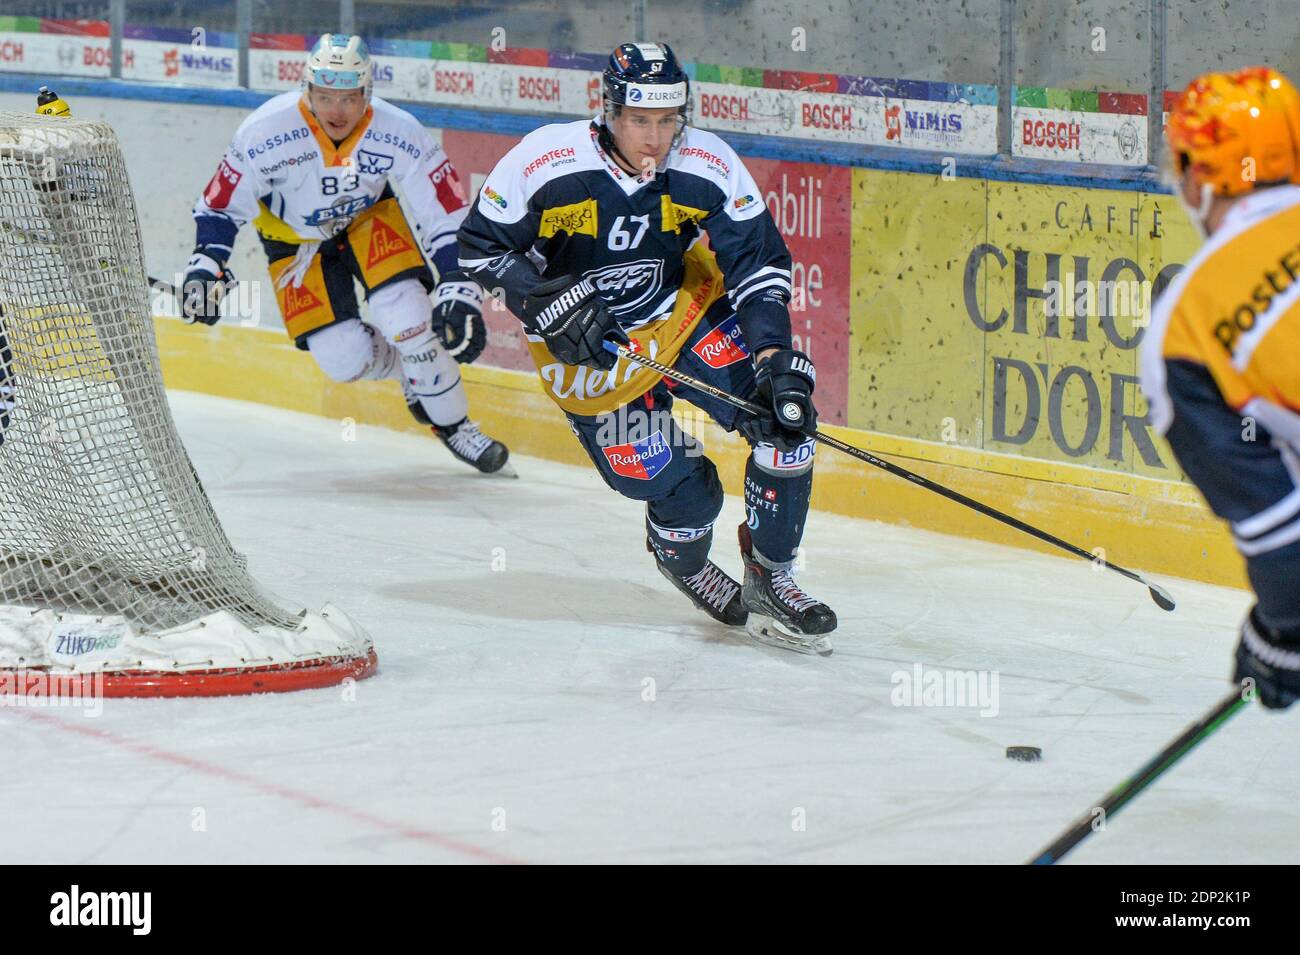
(372, 163)
(384, 243)
(576, 219)
(640, 460)
(298, 299)
(723, 346)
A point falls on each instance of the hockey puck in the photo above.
(1026, 754)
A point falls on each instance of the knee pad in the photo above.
(349, 350)
(402, 314)
(780, 464)
(691, 506)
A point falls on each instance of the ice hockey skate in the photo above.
(780, 614)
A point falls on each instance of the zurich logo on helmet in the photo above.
(634, 96)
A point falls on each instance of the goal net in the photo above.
(113, 565)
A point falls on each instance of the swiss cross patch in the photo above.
(769, 494)
(384, 242)
(723, 346)
(222, 186)
(298, 300)
(642, 459)
(451, 195)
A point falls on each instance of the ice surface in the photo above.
(518, 624)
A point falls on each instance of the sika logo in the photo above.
(893, 123)
(640, 460)
(298, 299)
(384, 244)
(723, 346)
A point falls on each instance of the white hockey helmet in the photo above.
(339, 62)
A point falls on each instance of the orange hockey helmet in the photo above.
(1237, 130)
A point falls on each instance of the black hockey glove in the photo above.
(785, 384)
(1272, 660)
(458, 317)
(573, 322)
(206, 282)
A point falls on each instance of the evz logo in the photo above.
(372, 163)
(628, 285)
(333, 219)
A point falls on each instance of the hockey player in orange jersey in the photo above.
(1221, 360)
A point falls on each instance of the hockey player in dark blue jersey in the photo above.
(592, 231)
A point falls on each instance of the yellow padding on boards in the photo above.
(1155, 526)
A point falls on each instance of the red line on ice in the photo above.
(272, 789)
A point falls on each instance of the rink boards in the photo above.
(984, 332)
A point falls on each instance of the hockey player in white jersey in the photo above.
(591, 231)
(313, 171)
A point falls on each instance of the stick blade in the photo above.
(1161, 596)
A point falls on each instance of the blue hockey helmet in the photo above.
(645, 74)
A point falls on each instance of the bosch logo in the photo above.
(713, 106)
(1053, 135)
(454, 82)
(545, 90)
(818, 116)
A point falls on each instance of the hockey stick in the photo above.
(1144, 777)
(1161, 596)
